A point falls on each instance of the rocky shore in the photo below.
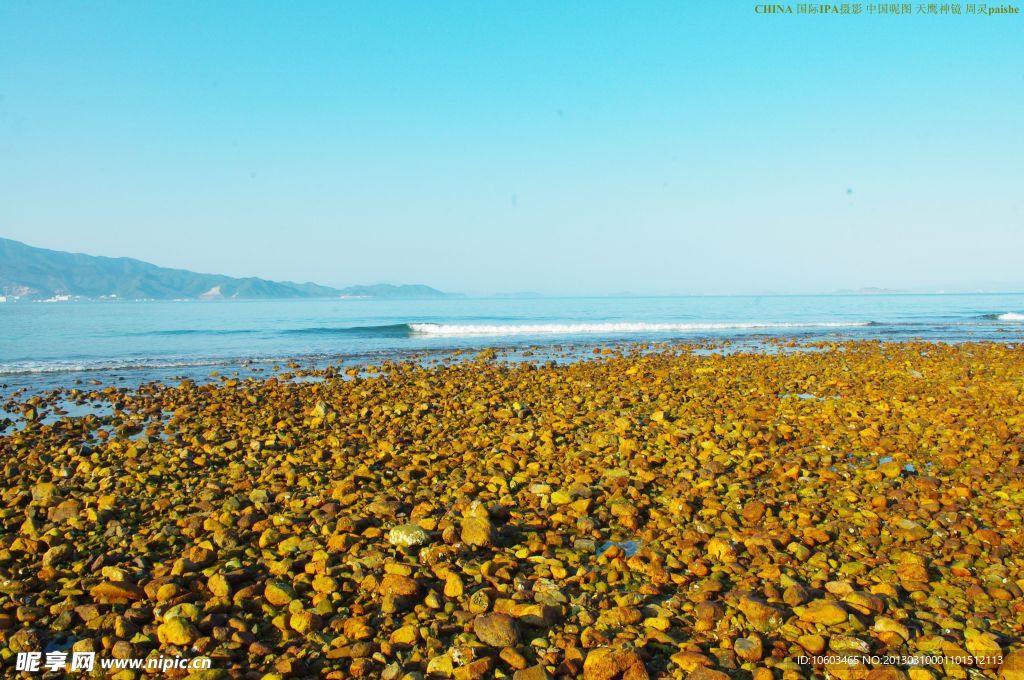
(649, 514)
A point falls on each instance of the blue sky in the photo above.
(570, 147)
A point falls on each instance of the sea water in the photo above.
(48, 345)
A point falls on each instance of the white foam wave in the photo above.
(32, 367)
(1011, 316)
(444, 329)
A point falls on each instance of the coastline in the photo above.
(653, 511)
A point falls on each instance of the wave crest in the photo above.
(611, 328)
(396, 330)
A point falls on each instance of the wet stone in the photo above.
(496, 630)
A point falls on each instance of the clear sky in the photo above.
(560, 147)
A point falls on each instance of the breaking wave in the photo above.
(444, 329)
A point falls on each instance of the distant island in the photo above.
(30, 273)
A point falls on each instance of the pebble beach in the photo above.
(847, 509)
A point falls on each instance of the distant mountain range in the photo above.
(40, 274)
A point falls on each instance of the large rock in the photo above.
(825, 612)
(44, 491)
(304, 621)
(278, 593)
(761, 616)
(1013, 666)
(753, 511)
(748, 648)
(613, 663)
(397, 585)
(984, 647)
(111, 592)
(496, 630)
(721, 550)
(408, 536)
(477, 531)
(177, 631)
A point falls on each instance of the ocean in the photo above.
(49, 345)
